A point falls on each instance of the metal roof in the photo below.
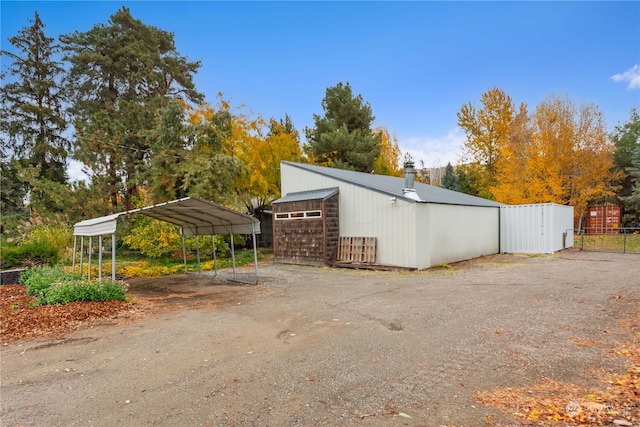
(196, 217)
(323, 194)
(393, 186)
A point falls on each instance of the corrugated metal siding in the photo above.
(604, 219)
(365, 213)
(458, 233)
(562, 223)
(415, 235)
(535, 228)
(423, 237)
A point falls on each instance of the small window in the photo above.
(299, 215)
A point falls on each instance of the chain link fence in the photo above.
(625, 240)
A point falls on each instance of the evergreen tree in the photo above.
(168, 141)
(14, 190)
(450, 179)
(627, 140)
(632, 201)
(33, 120)
(343, 137)
(122, 77)
(465, 180)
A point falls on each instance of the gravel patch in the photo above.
(326, 347)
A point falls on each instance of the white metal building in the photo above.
(415, 225)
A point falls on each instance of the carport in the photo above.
(195, 217)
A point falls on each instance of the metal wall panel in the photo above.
(457, 233)
(562, 227)
(535, 228)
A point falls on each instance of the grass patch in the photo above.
(608, 242)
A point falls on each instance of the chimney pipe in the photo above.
(409, 177)
(409, 174)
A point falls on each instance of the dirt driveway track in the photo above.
(330, 347)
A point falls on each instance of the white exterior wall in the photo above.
(535, 228)
(414, 235)
(365, 213)
(457, 233)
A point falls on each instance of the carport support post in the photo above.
(73, 263)
(233, 252)
(113, 257)
(184, 251)
(81, 253)
(215, 264)
(255, 254)
(89, 253)
(100, 258)
(198, 253)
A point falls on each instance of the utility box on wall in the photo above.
(536, 228)
(306, 227)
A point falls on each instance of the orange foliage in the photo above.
(258, 150)
(559, 155)
(388, 162)
(487, 130)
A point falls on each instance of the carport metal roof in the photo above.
(194, 215)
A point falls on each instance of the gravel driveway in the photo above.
(327, 347)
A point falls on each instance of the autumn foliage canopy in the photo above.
(560, 153)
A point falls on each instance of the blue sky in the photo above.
(416, 63)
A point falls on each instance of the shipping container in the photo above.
(604, 219)
(536, 228)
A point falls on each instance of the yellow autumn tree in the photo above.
(562, 154)
(388, 162)
(263, 155)
(512, 165)
(486, 129)
(214, 170)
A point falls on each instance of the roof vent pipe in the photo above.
(409, 174)
(409, 177)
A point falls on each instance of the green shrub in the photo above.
(52, 285)
(29, 253)
(58, 236)
(39, 279)
(9, 255)
(155, 238)
(82, 290)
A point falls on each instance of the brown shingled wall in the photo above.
(308, 241)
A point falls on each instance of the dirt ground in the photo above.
(503, 340)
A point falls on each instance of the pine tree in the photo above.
(450, 179)
(632, 201)
(33, 120)
(626, 138)
(14, 190)
(122, 77)
(343, 137)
